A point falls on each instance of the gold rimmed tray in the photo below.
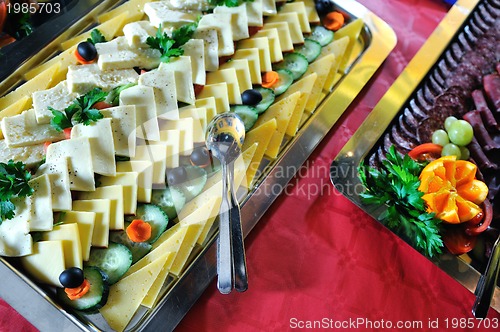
(455, 29)
(35, 303)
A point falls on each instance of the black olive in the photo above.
(87, 51)
(71, 277)
(251, 97)
(200, 157)
(176, 175)
(323, 7)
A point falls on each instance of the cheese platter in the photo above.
(111, 130)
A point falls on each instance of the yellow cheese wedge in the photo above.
(261, 43)
(322, 68)
(282, 111)
(15, 108)
(135, 9)
(109, 30)
(199, 116)
(240, 169)
(126, 295)
(102, 208)
(312, 14)
(41, 218)
(85, 222)
(181, 259)
(46, 262)
(229, 77)
(144, 169)
(305, 86)
(115, 195)
(128, 180)
(157, 155)
(154, 290)
(274, 43)
(209, 105)
(169, 241)
(204, 215)
(285, 36)
(170, 140)
(252, 56)
(186, 128)
(292, 19)
(299, 8)
(242, 68)
(44, 79)
(337, 47)
(59, 64)
(70, 237)
(262, 135)
(352, 30)
(220, 92)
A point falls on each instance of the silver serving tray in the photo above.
(35, 302)
(344, 168)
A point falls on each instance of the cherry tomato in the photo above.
(457, 241)
(481, 222)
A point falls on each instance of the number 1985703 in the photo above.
(32, 8)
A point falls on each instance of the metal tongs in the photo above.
(225, 136)
(487, 283)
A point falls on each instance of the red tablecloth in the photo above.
(316, 256)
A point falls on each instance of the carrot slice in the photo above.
(334, 21)
(426, 148)
(46, 146)
(78, 292)
(67, 132)
(139, 230)
(82, 60)
(100, 105)
(269, 79)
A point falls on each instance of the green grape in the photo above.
(449, 120)
(464, 153)
(461, 133)
(451, 149)
(440, 137)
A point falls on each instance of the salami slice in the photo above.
(410, 133)
(426, 128)
(450, 103)
(410, 119)
(401, 143)
(417, 111)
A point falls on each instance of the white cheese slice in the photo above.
(85, 222)
(145, 110)
(102, 209)
(186, 129)
(58, 173)
(117, 54)
(274, 43)
(269, 7)
(170, 140)
(21, 130)
(253, 58)
(292, 19)
(229, 77)
(144, 170)
(138, 32)
(46, 262)
(195, 48)
(165, 92)
(31, 155)
(15, 239)
(157, 155)
(160, 14)
(285, 36)
(199, 116)
(189, 5)
(210, 46)
(222, 23)
(41, 218)
(70, 237)
(58, 97)
(78, 152)
(255, 13)
(128, 180)
(262, 44)
(299, 8)
(123, 123)
(102, 147)
(220, 92)
(183, 70)
(239, 20)
(242, 68)
(83, 78)
(115, 195)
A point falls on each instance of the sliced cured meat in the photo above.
(478, 60)
(476, 29)
(464, 43)
(457, 51)
(480, 132)
(426, 128)
(465, 81)
(471, 38)
(491, 85)
(400, 141)
(444, 69)
(434, 85)
(450, 61)
(417, 112)
(373, 161)
(479, 156)
(480, 21)
(422, 102)
(450, 100)
(488, 16)
(408, 132)
(381, 155)
(440, 113)
(410, 120)
(486, 114)
(438, 76)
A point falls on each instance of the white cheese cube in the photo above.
(137, 33)
(83, 78)
(58, 97)
(211, 46)
(102, 209)
(117, 54)
(190, 5)
(15, 238)
(165, 93)
(239, 20)
(222, 23)
(160, 15)
(41, 218)
(128, 180)
(146, 120)
(183, 70)
(31, 155)
(195, 49)
(70, 237)
(59, 183)
(123, 123)
(255, 13)
(269, 7)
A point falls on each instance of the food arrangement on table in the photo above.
(110, 193)
(431, 174)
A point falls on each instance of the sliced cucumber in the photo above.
(196, 180)
(295, 62)
(97, 295)
(247, 113)
(153, 215)
(268, 97)
(114, 260)
(311, 49)
(138, 249)
(171, 200)
(322, 35)
(284, 81)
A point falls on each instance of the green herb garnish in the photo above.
(395, 185)
(114, 95)
(80, 111)
(96, 37)
(227, 3)
(13, 183)
(171, 46)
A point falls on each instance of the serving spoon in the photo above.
(225, 137)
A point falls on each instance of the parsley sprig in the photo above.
(13, 183)
(395, 185)
(171, 46)
(227, 3)
(96, 37)
(80, 111)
